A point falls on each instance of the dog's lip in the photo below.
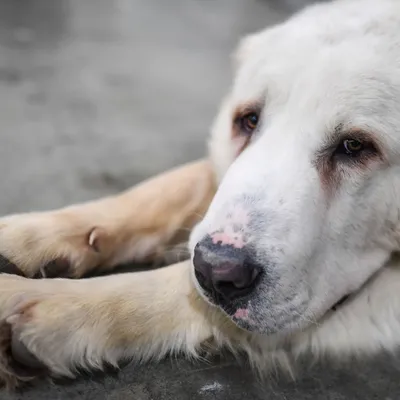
(340, 302)
(232, 308)
(213, 299)
(239, 313)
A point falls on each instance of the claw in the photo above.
(93, 239)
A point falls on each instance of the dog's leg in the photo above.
(66, 324)
(137, 225)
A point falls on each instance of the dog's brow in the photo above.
(333, 136)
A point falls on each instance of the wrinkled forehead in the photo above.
(310, 75)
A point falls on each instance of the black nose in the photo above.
(224, 270)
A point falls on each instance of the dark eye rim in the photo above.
(240, 128)
(334, 151)
(344, 147)
(343, 152)
(244, 122)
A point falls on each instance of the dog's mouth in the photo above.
(340, 302)
(245, 318)
(242, 312)
(231, 310)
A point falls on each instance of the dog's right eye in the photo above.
(249, 122)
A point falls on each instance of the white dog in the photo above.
(296, 251)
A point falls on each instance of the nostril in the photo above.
(236, 281)
(202, 269)
(203, 280)
(230, 290)
(225, 288)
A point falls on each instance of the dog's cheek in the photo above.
(240, 142)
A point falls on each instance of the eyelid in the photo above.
(339, 135)
(243, 110)
(351, 134)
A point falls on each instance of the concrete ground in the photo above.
(96, 95)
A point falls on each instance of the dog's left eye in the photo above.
(352, 148)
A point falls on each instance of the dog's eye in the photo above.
(354, 149)
(351, 147)
(249, 122)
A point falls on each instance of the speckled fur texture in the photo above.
(333, 65)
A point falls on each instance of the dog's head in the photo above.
(307, 145)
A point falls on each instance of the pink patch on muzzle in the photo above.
(227, 235)
(241, 313)
(235, 240)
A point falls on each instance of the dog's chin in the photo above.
(250, 319)
(273, 324)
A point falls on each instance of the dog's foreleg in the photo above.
(139, 225)
(66, 324)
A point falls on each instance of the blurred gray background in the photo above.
(97, 95)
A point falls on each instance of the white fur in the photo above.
(332, 64)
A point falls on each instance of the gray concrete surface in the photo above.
(96, 95)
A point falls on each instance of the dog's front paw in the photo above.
(17, 363)
(38, 323)
(52, 326)
(48, 245)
